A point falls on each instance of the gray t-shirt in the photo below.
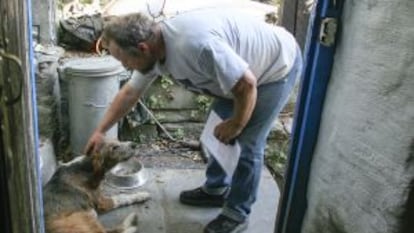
(208, 51)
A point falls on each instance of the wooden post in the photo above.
(18, 156)
(295, 18)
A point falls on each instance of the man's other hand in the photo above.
(227, 130)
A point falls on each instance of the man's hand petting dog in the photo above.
(95, 143)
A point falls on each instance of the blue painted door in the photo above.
(319, 53)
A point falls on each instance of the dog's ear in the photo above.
(105, 158)
(97, 164)
(98, 170)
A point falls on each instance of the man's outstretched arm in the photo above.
(123, 102)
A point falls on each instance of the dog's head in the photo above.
(111, 153)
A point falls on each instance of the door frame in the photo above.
(319, 59)
(19, 160)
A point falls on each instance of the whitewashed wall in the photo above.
(364, 160)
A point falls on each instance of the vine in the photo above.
(160, 100)
(203, 103)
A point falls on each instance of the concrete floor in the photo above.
(164, 214)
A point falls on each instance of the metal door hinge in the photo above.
(327, 35)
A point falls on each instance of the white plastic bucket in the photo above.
(92, 86)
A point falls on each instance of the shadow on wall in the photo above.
(407, 223)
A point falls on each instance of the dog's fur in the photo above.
(72, 197)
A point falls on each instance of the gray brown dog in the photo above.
(72, 197)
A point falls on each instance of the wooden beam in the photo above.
(17, 125)
(295, 18)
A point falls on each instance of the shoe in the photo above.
(198, 197)
(223, 224)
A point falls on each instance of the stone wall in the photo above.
(179, 111)
(48, 106)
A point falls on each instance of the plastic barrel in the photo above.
(92, 85)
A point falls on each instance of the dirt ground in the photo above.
(165, 153)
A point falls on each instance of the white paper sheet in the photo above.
(226, 155)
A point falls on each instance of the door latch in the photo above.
(327, 35)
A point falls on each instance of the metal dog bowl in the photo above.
(127, 175)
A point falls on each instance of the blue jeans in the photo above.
(271, 98)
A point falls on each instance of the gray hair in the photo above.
(128, 30)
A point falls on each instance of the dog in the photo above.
(72, 198)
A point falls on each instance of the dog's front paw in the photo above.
(142, 196)
(128, 199)
(130, 221)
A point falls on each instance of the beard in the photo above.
(147, 69)
(149, 65)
